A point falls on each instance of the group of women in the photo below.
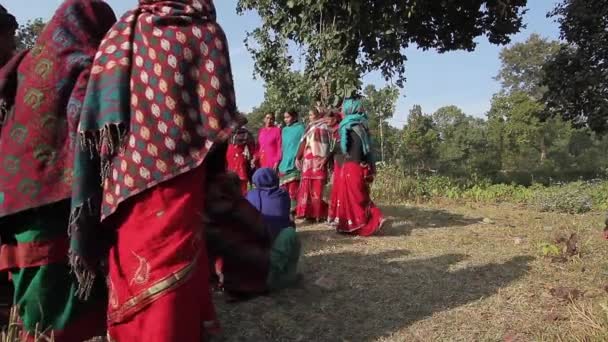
(325, 167)
(117, 210)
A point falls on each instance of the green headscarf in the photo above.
(356, 120)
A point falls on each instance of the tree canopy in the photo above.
(577, 76)
(28, 33)
(342, 40)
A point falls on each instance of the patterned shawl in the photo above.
(160, 95)
(356, 120)
(42, 91)
(318, 138)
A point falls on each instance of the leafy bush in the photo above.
(393, 186)
(573, 198)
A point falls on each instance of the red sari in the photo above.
(315, 148)
(335, 173)
(354, 211)
(238, 156)
(158, 273)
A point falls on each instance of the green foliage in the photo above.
(420, 142)
(342, 40)
(573, 198)
(550, 250)
(28, 34)
(380, 105)
(392, 185)
(522, 66)
(577, 77)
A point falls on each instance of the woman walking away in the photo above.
(160, 99)
(289, 174)
(274, 205)
(269, 144)
(355, 211)
(313, 158)
(43, 90)
(239, 156)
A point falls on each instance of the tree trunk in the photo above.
(543, 149)
(382, 139)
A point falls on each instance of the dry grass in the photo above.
(14, 331)
(442, 273)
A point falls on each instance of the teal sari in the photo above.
(291, 136)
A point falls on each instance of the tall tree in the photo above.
(577, 77)
(380, 104)
(28, 34)
(344, 39)
(420, 141)
(464, 150)
(522, 66)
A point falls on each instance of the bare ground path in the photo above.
(441, 273)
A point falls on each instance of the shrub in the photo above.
(393, 186)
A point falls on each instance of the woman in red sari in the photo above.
(239, 156)
(159, 103)
(355, 212)
(269, 144)
(313, 158)
(334, 119)
(42, 90)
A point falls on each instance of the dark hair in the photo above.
(7, 21)
(293, 113)
(274, 117)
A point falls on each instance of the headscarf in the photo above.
(318, 138)
(291, 136)
(273, 202)
(242, 137)
(161, 93)
(43, 91)
(8, 25)
(7, 21)
(356, 120)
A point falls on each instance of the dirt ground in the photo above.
(440, 273)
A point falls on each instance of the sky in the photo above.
(464, 79)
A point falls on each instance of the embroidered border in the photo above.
(152, 293)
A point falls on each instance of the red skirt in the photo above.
(158, 269)
(292, 189)
(355, 212)
(310, 203)
(333, 199)
(237, 162)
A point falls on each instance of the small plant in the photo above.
(550, 250)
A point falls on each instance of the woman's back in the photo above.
(273, 203)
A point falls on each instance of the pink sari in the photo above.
(269, 152)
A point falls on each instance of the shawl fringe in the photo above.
(84, 275)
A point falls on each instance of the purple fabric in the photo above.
(271, 201)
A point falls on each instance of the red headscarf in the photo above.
(37, 137)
